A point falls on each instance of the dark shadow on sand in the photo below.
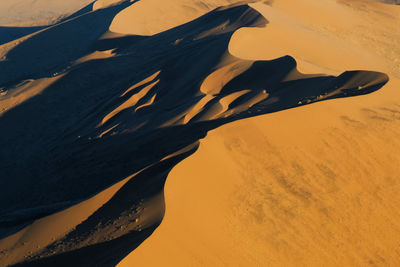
(11, 33)
(51, 51)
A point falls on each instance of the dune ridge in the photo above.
(304, 187)
(142, 110)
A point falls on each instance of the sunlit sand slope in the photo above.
(307, 187)
(313, 186)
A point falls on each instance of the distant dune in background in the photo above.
(14, 11)
(199, 133)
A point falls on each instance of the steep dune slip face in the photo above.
(89, 137)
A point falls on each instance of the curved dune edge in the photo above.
(228, 101)
(38, 237)
(258, 193)
(360, 35)
(43, 232)
(152, 16)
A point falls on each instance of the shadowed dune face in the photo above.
(49, 52)
(135, 113)
(13, 32)
(8, 34)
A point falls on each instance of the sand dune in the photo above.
(151, 17)
(13, 11)
(20, 18)
(98, 109)
(275, 195)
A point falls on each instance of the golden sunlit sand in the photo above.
(200, 133)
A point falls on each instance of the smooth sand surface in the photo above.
(254, 195)
(98, 111)
(153, 16)
(363, 32)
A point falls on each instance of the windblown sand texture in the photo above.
(200, 133)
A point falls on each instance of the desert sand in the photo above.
(24, 11)
(201, 133)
